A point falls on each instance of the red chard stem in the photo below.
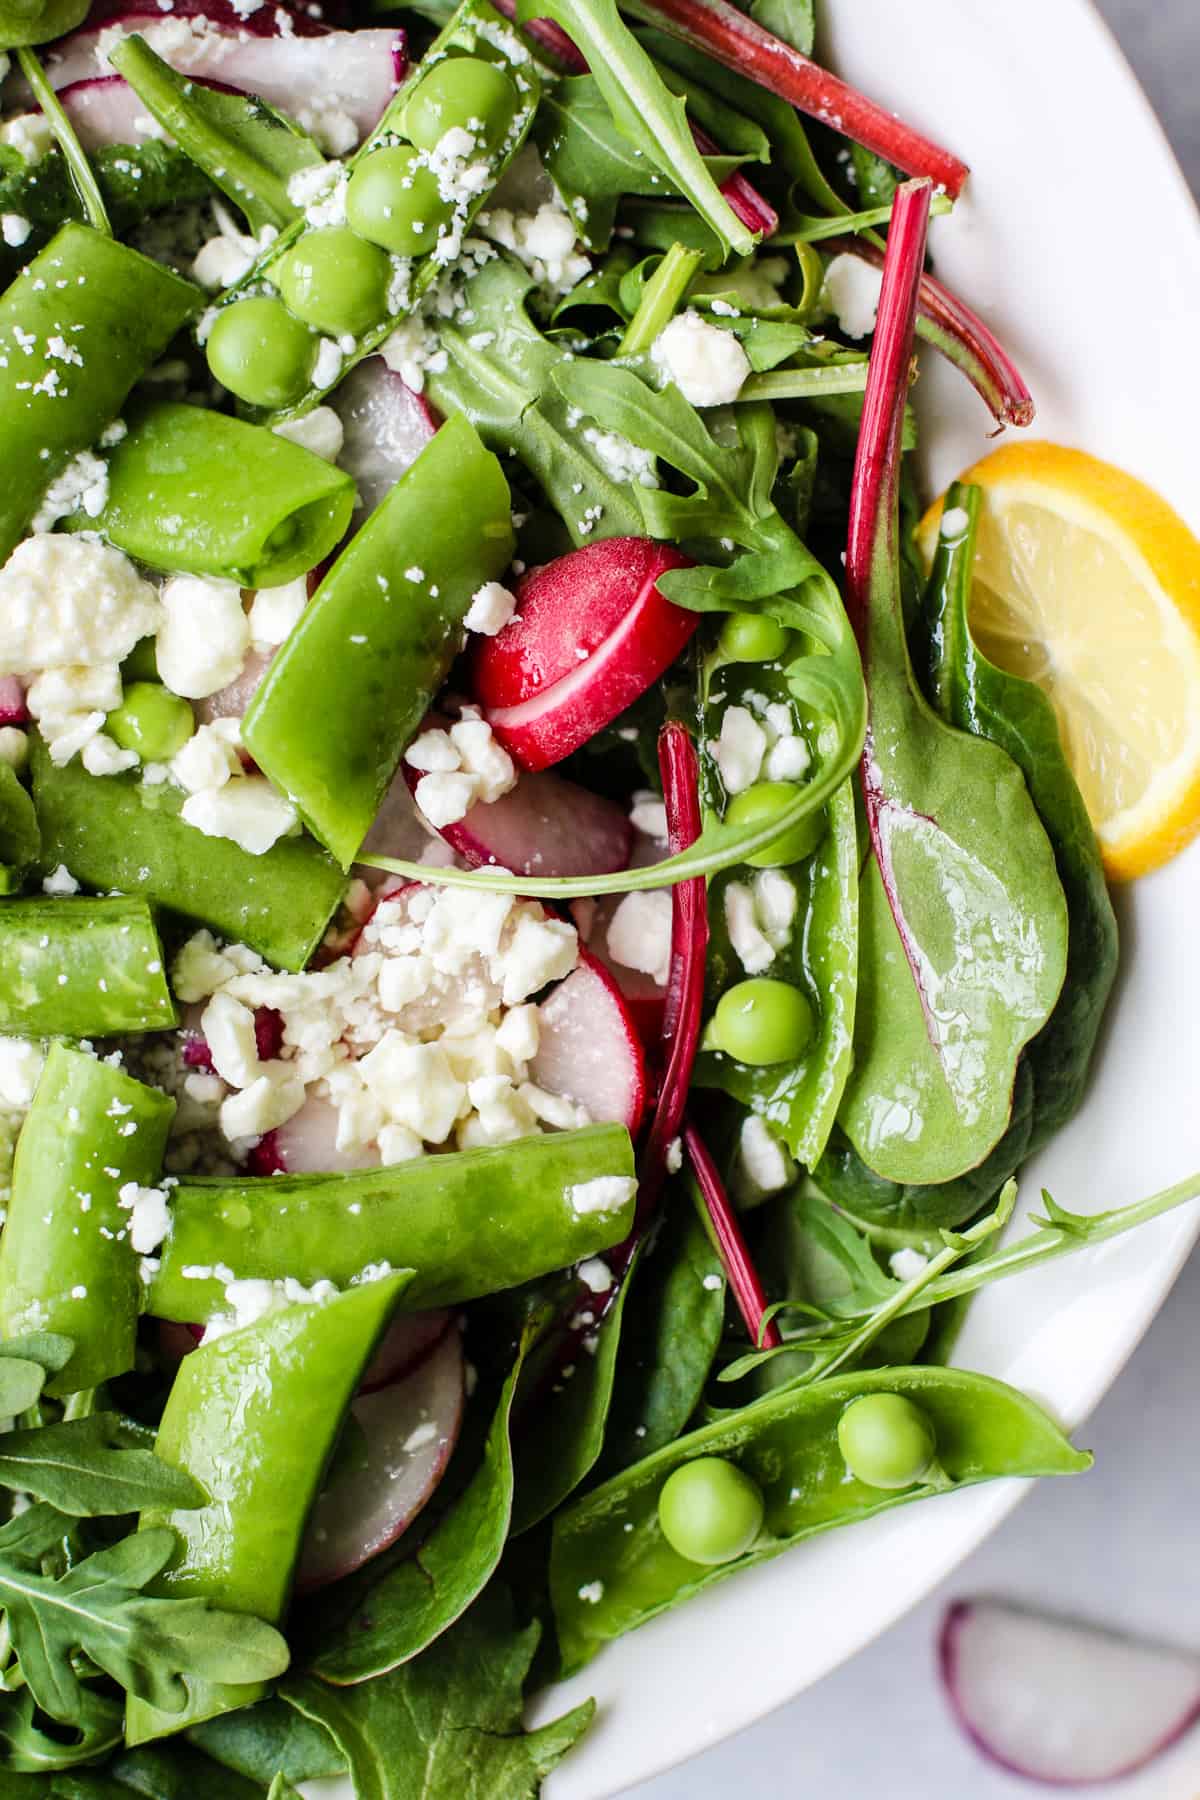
(731, 1245)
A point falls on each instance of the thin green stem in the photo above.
(660, 299)
(806, 384)
(86, 185)
(810, 229)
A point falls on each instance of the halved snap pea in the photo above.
(760, 802)
(261, 353)
(463, 91)
(394, 201)
(335, 280)
(762, 1021)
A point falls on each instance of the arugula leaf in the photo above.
(90, 1468)
(27, 1748)
(267, 1739)
(396, 1615)
(96, 1606)
(674, 1316)
(25, 1364)
(972, 693)
(244, 146)
(176, 1771)
(38, 21)
(507, 391)
(645, 110)
(447, 1726)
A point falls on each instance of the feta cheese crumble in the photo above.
(852, 289)
(604, 1194)
(764, 1165)
(204, 635)
(707, 365)
(460, 768)
(491, 608)
(639, 933)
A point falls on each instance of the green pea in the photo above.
(886, 1441)
(751, 637)
(393, 200)
(335, 280)
(710, 1511)
(261, 353)
(761, 1021)
(461, 91)
(759, 803)
(152, 721)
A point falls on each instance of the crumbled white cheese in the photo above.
(788, 759)
(955, 522)
(461, 768)
(674, 1156)
(739, 749)
(544, 241)
(275, 612)
(228, 1029)
(415, 1085)
(149, 1216)
(270, 1100)
(491, 608)
(852, 289)
(15, 229)
(320, 193)
(21, 1063)
(592, 1592)
(60, 881)
(758, 919)
(906, 1264)
(29, 134)
(331, 127)
(249, 811)
(649, 815)
(603, 1194)
(204, 635)
(639, 933)
(328, 366)
(320, 431)
(102, 755)
(595, 1274)
(68, 602)
(707, 365)
(223, 260)
(208, 759)
(775, 903)
(763, 1163)
(621, 460)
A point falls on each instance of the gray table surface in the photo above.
(1118, 1548)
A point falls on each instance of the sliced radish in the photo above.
(106, 111)
(410, 1428)
(386, 428)
(545, 826)
(589, 1049)
(591, 634)
(303, 68)
(307, 1145)
(643, 995)
(400, 831)
(13, 710)
(407, 1342)
(1062, 1702)
(231, 702)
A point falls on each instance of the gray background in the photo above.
(1122, 1547)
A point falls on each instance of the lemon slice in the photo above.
(1087, 583)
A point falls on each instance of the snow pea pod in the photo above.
(469, 1223)
(253, 1416)
(611, 1567)
(79, 326)
(194, 490)
(351, 685)
(82, 968)
(66, 1263)
(116, 833)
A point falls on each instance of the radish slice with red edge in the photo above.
(591, 633)
(410, 1427)
(642, 994)
(306, 1144)
(950, 325)
(588, 1047)
(303, 70)
(407, 1342)
(230, 702)
(13, 709)
(740, 1272)
(1061, 1702)
(386, 428)
(680, 769)
(400, 831)
(544, 826)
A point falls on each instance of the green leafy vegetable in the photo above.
(82, 177)
(96, 1607)
(20, 838)
(267, 1739)
(38, 21)
(93, 1467)
(447, 1726)
(245, 147)
(28, 1748)
(25, 1364)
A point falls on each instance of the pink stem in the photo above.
(734, 39)
(949, 324)
(682, 1016)
(731, 1245)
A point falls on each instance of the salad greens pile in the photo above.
(534, 943)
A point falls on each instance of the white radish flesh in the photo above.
(545, 826)
(1062, 1702)
(386, 428)
(307, 1143)
(407, 1341)
(410, 1428)
(589, 1049)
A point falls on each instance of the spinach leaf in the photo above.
(135, 181)
(396, 1615)
(25, 1363)
(92, 1468)
(652, 118)
(565, 1416)
(176, 1771)
(38, 21)
(268, 1739)
(97, 1607)
(244, 146)
(674, 1317)
(447, 1726)
(506, 389)
(972, 693)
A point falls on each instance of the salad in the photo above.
(544, 905)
